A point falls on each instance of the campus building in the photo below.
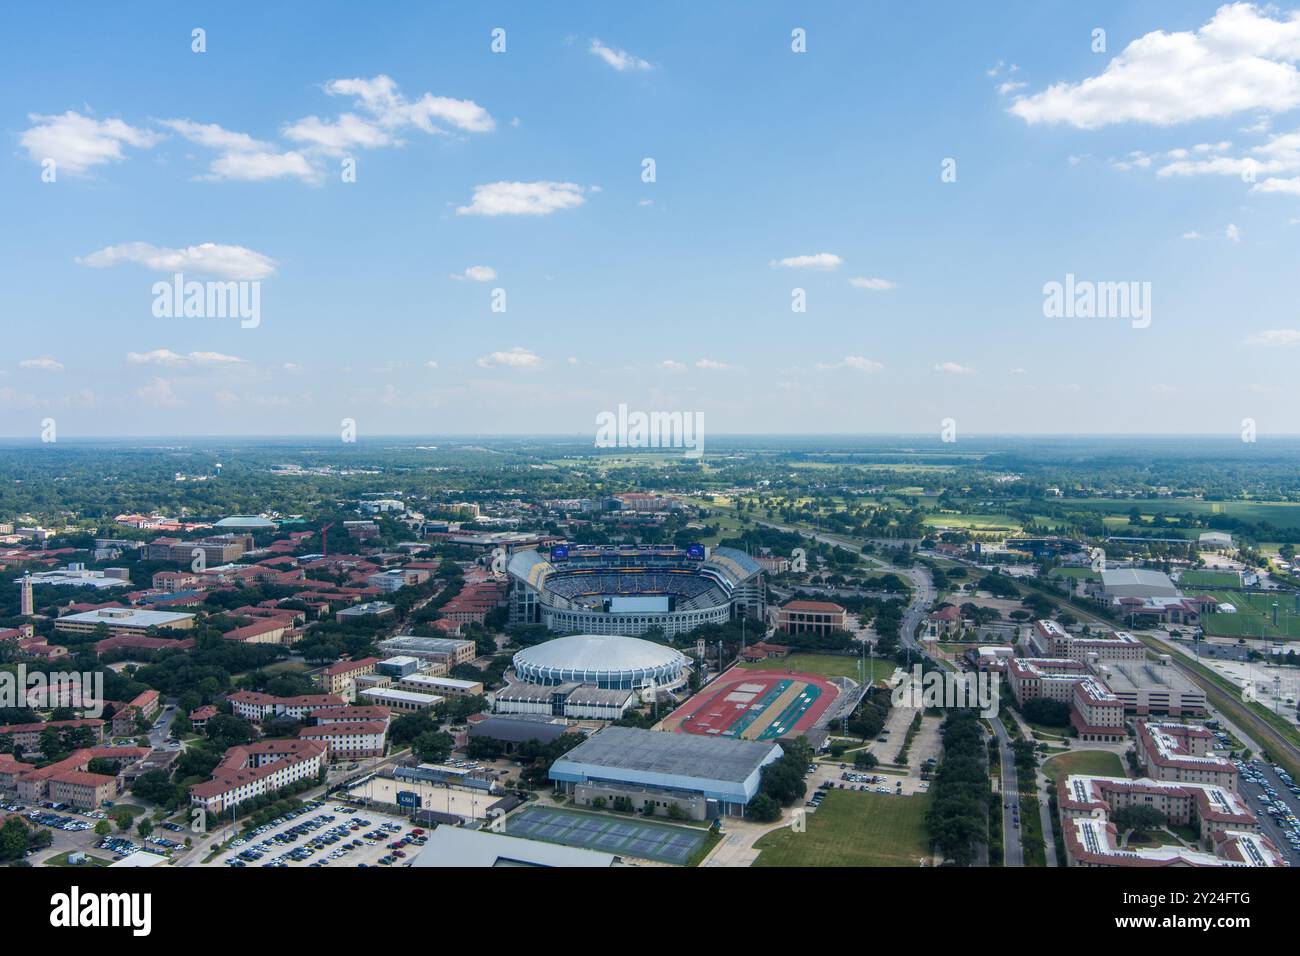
(252, 770)
(123, 620)
(259, 707)
(811, 617)
(704, 777)
(1222, 819)
(1180, 753)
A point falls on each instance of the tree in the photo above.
(1138, 817)
(13, 839)
(144, 827)
(763, 809)
(102, 828)
(433, 746)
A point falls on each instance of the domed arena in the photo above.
(606, 660)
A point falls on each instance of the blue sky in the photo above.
(669, 295)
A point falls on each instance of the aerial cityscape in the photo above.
(668, 438)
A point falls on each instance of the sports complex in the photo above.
(661, 842)
(628, 590)
(756, 705)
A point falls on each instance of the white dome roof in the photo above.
(600, 652)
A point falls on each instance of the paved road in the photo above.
(1013, 853)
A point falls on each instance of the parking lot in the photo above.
(1273, 800)
(326, 834)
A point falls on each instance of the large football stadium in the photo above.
(617, 589)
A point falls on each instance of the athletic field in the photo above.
(754, 705)
(660, 842)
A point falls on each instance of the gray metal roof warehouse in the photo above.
(720, 768)
(517, 730)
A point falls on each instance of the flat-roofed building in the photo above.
(403, 701)
(123, 620)
(703, 776)
(369, 609)
(340, 677)
(456, 846)
(442, 650)
(444, 686)
(1137, 583)
(1155, 687)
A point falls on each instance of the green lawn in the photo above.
(91, 861)
(1209, 579)
(1100, 762)
(854, 829)
(827, 665)
(1254, 617)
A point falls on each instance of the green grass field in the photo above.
(1209, 579)
(1101, 762)
(1283, 514)
(974, 522)
(854, 829)
(1254, 617)
(827, 665)
(90, 861)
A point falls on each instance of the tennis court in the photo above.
(631, 837)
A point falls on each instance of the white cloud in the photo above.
(383, 113)
(620, 60)
(213, 135)
(820, 260)
(712, 365)
(475, 274)
(336, 137)
(43, 364)
(522, 199)
(668, 365)
(857, 363)
(380, 97)
(875, 285)
(259, 166)
(1241, 59)
(208, 259)
(177, 360)
(76, 142)
(517, 357)
(1286, 337)
(953, 368)
(1233, 233)
(1192, 235)
(243, 157)
(431, 364)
